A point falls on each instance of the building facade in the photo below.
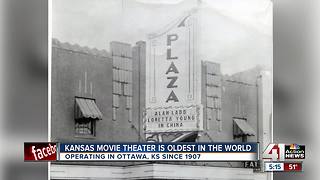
(99, 95)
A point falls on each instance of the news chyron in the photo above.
(40, 151)
(284, 157)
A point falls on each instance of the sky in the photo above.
(235, 33)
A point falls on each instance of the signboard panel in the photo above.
(173, 119)
(174, 76)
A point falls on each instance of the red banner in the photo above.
(46, 151)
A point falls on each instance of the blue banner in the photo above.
(159, 147)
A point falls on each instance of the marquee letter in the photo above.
(173, 80)
(172, 68)
(172, 97)
(171, 37)
(169, 55)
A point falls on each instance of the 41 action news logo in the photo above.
(281, 152)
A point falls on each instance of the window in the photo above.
(86, 113)
(242, 129)
(85, 127)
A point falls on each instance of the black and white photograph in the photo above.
(153, 71)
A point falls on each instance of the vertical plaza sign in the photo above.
(173, 83)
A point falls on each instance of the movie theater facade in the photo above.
(156, 91)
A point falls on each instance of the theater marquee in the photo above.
(173, 95)
(173, 119)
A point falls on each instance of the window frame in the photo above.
(92, 121)
(93, 127)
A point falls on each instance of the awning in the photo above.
(184, 137)
(87, 108)
(242, 127)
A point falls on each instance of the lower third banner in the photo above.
(158, 152)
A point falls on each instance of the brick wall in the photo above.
(116, 80)
(80, 71)
(226, 97)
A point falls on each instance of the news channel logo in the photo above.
(282, 152)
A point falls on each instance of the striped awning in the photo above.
(87, 108)
(242, 127)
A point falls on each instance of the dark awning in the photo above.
(184, 137)
(87, 108)
(243, 128)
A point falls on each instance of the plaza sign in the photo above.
(173, 83)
